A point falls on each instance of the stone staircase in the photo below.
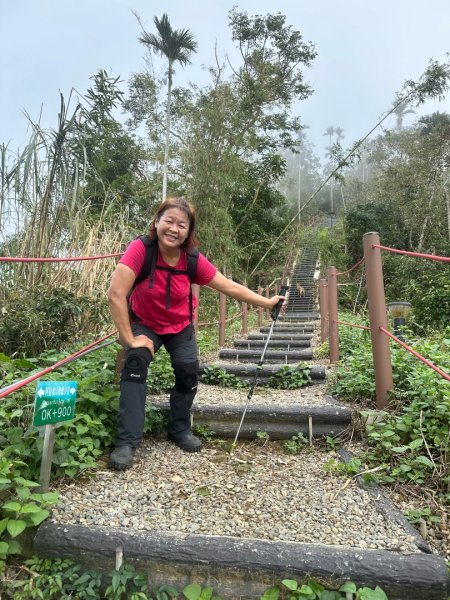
(302, 293)
(289, 344)
(290, 341)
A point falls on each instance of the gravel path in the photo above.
(313, 395)
(259, 492)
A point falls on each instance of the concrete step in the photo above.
(294, 324)
(288, 328)
(246, 373)
(281, 336)
(308, 315)
(279, 356)
(281, 423)
(243, 567)
(282, 344)
(285, 320)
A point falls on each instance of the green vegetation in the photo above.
(295, 444)
(216, 376)
(33, 320)
(292, 590)
(64, 580)
(289, 378)
(410, 444)
(416, 515)
(90, 185)
(78, 445)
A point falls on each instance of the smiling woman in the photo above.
(171, 228)
(157, 311)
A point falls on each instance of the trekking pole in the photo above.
(274, 314)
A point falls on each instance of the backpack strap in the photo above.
(192, 262)
(151, 253)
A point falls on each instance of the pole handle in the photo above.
(276, 309)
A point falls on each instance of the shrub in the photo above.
(35, 319)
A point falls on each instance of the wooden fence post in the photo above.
(378, 318)
(244, 317)
(323, 303)
(267, 311)
(47, 456)
(333, 314)
(260, 310)
(222, 317)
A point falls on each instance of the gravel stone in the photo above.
(258, 492)
(312, 395)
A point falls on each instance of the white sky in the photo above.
(366, 50)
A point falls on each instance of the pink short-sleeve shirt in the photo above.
(149, 304)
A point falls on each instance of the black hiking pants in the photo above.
(182, 348)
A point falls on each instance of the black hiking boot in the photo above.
(121, 458)
(186, 440)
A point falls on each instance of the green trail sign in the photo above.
(55, 402)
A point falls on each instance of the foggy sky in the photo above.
(366, 50)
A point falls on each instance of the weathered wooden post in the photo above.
(244, 317)
(378, 318)
(260, 310)
(333, 330)
(47, 456)
(222, 317)
(323, 303)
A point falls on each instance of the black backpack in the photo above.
(149, 267)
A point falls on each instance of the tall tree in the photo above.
(332, 150)
(400, 110)
(109, 156)
(176, 45)
(231, 134)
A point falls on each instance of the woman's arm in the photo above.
(235, 290)
(121, 283)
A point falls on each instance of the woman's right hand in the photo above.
(141, 341)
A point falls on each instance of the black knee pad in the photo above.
(136, 365)
(186, 376)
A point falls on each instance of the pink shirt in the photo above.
(149, 304)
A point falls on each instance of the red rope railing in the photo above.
(16, 386)
(405, 346)
(51, 259)
(416, 354)
(355, 266)
(417, 254)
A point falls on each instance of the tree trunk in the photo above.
(425, 223)
(167, 126)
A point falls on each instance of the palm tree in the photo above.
(339, 132)
(400, 109)
(176, 45)
(330, 132)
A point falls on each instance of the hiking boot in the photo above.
(121, 458)
(186, 440)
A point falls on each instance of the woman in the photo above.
(160, 314)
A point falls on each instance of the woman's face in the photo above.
(172, 228)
